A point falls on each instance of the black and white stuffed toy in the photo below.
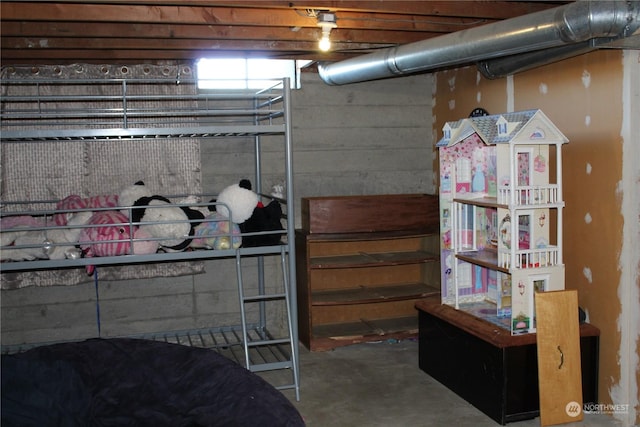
(250, 214)
(166, 221)
(172, 225)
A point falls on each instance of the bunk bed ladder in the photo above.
(264, 352)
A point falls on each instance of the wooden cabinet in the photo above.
(488, 367)
(362, 264)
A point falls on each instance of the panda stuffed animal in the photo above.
(173, 225)
(170, 225)
(240, 203)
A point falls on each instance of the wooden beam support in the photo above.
(472, 9)
(75, 30)
(221, 16)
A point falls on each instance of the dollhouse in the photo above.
(501, 215)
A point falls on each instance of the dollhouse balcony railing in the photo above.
(529, 195)
(530, 258)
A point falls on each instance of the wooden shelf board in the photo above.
(367, 236)
(364, 259)
(483, 201)
(372, 294)
(483, 258)
(366, 329)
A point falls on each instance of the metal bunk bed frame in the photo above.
(125, 116)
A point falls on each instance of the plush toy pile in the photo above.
(138, 222)
(133, 222)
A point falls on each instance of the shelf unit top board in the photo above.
(370, 213)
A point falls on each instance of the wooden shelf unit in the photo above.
(363, 285)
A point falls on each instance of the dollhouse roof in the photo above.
(528, 126)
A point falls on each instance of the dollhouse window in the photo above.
(466, 228)
(502, 126)
(525, 165)
(464, 275)
(540, 284)
(463, 170)
(463, 175)
(524, 230)
(447, 131)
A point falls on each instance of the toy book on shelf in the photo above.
(501, 215)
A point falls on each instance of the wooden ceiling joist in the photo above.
(76, 31)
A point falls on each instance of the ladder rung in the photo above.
(286, 387)
(259, 367)
(264, 297)
(268, 342)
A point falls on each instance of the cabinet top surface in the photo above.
(368, 197)
(483, 329)
(370, 213)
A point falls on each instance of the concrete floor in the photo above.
(380, 384)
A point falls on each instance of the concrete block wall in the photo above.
(366, 138)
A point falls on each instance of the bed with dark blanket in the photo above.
(132, 382)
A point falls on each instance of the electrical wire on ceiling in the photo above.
(417, 21)
(307, 13)
(313, 13)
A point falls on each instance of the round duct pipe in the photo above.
(569, 24)
(512, 64)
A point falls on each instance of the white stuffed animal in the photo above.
(240, 199)
(54, 243)
(172, 225)
(129, 195)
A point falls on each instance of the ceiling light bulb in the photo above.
(325, 43)
(326, 21)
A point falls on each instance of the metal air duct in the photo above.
(512, 64)
(536, 33)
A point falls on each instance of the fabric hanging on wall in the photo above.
(51, 170)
